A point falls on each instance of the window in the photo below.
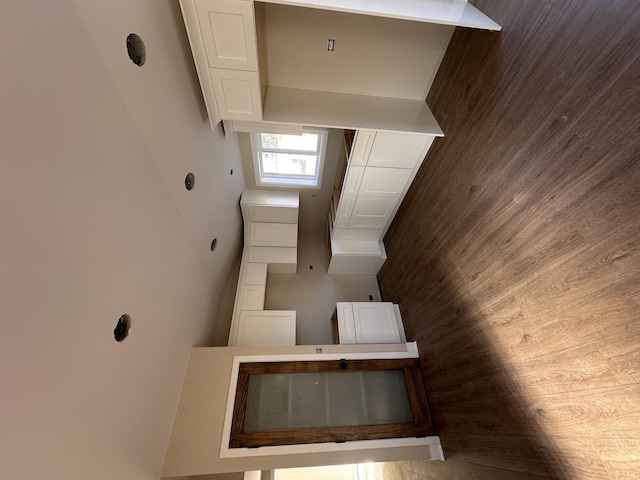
(294, 161)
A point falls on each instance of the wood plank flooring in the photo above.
(515, 257)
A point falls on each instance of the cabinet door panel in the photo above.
(237, 94)
(345, 207)
(362, 147)
(252, 297)
(228, 32)
(273, 234)
(352, 180)
(387, 182)
(399, 150)
(267, 327)
(256, 274)
(375, 322)
(372, 212)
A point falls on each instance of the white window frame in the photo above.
(289, 181)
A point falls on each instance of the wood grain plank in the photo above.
(515, 255)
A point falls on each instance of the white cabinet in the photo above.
(399, 150)
(279, 259)
(362, 144)
(256, 274)
(252, 297)
(386, 182)
(228, 32)
(369, 322)
(266, 327)
(352, 180)
(380, 168)
(345, 207)
(237, 94)
(370, 212)
(273, 234)
(270, 206)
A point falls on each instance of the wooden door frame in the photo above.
(421, 426)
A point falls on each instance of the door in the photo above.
(399, 150)
(372, 212)
(384, 182)
(237, 94)
(288, 403)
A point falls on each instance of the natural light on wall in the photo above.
(293, 161)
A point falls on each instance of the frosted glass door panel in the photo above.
(326, 399)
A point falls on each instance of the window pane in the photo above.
(306, 142)
(288, 164)
(308, 400)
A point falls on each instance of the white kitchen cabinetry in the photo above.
(273, 234)
(278, 259)
(229, 34)
(256, 274)
(237, 93)
(267, 327)
(270, 206)
(384, 182)
(398, 150)
(372, 191)
(371, 212)
(271, 241)
(252, 297)
(369, 322)
(227, 30)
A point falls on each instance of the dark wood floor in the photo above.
(515, 256)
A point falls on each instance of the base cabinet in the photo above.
(267, 327)
(369, 322)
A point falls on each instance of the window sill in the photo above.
(287, 183)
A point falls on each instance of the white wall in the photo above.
(96, 223)
(372, 56)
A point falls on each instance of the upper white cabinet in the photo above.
(384, 182)
(296, 81)
(237, 93)
(229, 33)
(273, 234)
(361, 148)
(398, 150)
(270, 206)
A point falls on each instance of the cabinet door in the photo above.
(352, 180)
(237, 94)
(346, 327)
(372, 212)
(345, 207)
(229, 33)
(375, 322)
(362, 147)
(399, 150)
(273, 234)
(256, 274)
(386, 182)
(267, 327)
(252, 297)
